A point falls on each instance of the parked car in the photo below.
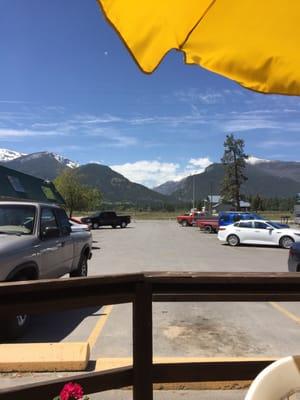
(78, 227)
(230, 217)
(190, 218)
(107, 218)
(258, 232)
(36, 242)
(294, 258)
(75, 219)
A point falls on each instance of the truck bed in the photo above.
(209, 225)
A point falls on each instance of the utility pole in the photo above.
(193, 191)
(210, 203)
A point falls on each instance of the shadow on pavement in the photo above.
(55, 327)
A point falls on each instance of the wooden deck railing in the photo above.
(141, 290)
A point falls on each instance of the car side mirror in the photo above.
(50, 232)
(270, 229)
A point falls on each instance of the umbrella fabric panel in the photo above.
(150, 28)
(253, 42)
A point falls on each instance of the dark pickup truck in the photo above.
(107, 218)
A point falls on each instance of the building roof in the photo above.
(15, 185)
(244, 204)
(214, 198)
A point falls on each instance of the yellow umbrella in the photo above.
(254, 42)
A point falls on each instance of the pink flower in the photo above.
(71, 391)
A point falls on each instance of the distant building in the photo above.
(215, 203)
(15, 185)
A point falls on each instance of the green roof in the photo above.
(15, 185)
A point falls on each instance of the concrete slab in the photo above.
(211, 329)
(44, 357)
(176, 395)
(204, 330)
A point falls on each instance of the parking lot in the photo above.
(180, 330)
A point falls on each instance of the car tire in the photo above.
(233, 240)
(123, 224)
(184, 224)
(208, 229)
(15, 327)
(82, 269)
(95, 225)
(286, 242)
(114, 226)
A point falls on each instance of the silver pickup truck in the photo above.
(36, 242)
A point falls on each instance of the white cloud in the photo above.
(9, 133)
(149, 173)
(201, 163)
(14, 102)
(153, 173)
(279, 143)
(95, 162)
(195, 96)
(112, 137)
(96, 119)
(255, 160)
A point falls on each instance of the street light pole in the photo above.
(210, 203)
(193, 191)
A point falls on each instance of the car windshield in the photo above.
(274, 225)
(17, 219)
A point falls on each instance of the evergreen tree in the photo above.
(256, 202)
(234, 161)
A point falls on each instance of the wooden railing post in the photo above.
(142, 342)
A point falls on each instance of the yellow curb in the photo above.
(41, 357)
(99, 326)
(103, 364)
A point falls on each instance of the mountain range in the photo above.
(113, 186)
(267, 178)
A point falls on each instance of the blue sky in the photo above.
(68, 85)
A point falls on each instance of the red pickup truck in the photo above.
(208, 224)
(189, 219)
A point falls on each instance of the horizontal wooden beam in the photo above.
(44, 296)
(210, 371)
(224, 286)
(92, 382)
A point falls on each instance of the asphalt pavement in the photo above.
(180, 330)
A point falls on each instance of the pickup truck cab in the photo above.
(36, 242)
(190, 218)
(106, 218)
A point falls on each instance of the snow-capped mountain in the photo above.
(65, 161)
(8, 155)
(255, 160)
(42, 154)
(44, 164)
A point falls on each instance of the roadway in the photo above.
(180, 330)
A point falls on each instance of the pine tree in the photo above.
(256, 203)
(234, 161)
